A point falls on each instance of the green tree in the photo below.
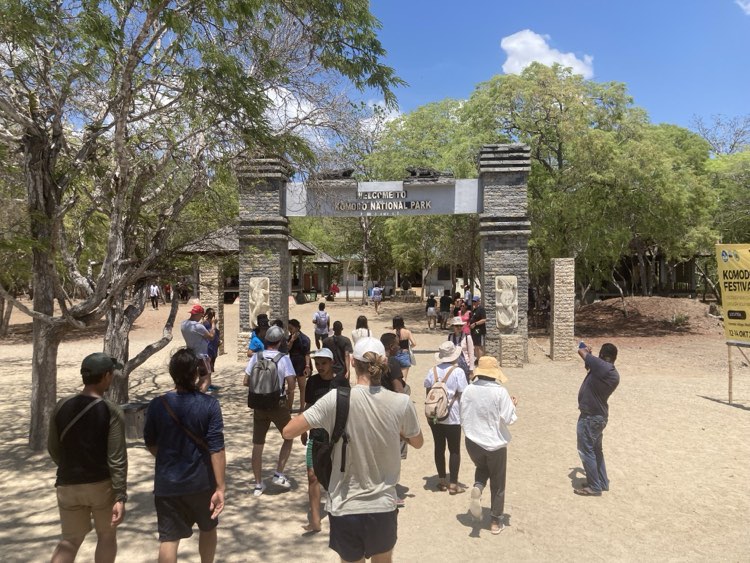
(128, 109)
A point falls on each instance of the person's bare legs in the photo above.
(257, 463)
(386, 557)
(404, 373)
(168, 551)
(207, 546)
(66, 550)
(286, 449)
(106, 546)
(313, 493)
(301, 383)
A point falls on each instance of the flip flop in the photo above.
(456, 490)
(587, 492)
(442, 487)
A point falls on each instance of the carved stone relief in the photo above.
(259, 298)
(506, 299)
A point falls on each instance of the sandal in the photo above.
(442, 487)
(455, 490)
(587, 492)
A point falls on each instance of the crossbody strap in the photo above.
(78, 417)
(200, 442)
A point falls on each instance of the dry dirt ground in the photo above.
(677, 452)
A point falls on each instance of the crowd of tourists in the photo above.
(355, 420)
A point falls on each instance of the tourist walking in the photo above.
(317, 386)
(298, 344)
(184, 431)
(405, 343)
(600, 382)
(362, 499)
(448, 430)
(277, 411)
(462, 341)
(377, 296)
(446, 303)
(486, 412)
(341, 347)
(431, 311)
(478, 324)
(87, 443)
(322, 322)
(361, 330)
(154, 292)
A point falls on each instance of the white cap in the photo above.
(368, 344)
(323, 353)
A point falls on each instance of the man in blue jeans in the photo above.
(600, 382)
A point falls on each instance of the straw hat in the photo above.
(488, 367)
(448, 352)
(457, 321)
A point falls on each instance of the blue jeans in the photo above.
(590, 430)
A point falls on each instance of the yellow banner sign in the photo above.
(734, 281)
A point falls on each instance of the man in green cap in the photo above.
(87, 442)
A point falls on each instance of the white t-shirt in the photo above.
(456, 384)
(195, 335)
(153, 290)
(377, 417)
(284, 368)
(486, 412)
(358, 333)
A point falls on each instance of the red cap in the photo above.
(197, 310)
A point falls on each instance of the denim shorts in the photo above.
(403, 359)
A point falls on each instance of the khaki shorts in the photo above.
(77, 504)
(262, 419)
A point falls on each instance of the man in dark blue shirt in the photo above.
(600, 382)
(185, 432)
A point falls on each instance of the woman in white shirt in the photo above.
(448, 430)
(486, 412)
(362, 329)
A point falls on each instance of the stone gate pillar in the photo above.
(264, 263)
(562, 314)
(505, 229)
(211, 289)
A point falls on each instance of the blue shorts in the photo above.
(355, 536)
(175, 516)
(403, 359)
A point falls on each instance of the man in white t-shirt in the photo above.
(322, 322)
(279, 415)
(486, 412)
(362, 499)
(154, 292)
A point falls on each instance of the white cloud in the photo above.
(526, 47)
(744, 5)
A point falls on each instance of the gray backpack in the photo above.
(265, 390)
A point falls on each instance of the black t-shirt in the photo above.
(478, 314)
(445, 303)
(83, 451)
(431, 302)
(316, 387)
(339, 345)
(600, 382)
(297, 352)
(394, 372)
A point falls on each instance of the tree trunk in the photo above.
(6, 309)
(622, 294)
(643, 269)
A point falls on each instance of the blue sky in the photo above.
(679, 59)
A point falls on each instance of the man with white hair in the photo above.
(362, 498)
(278, 413)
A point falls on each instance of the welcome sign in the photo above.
(734, 280)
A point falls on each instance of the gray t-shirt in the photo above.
(195, 335)
(377, 419)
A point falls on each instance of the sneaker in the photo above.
(496, 527)
(258, 490)
(475, 504)
(281, 480)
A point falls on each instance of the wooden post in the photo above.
(729, 358)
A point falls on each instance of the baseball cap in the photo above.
(476, 298)
(274, 334)
(323, 353)
(97, 363)
(197, 310)
(367, 344)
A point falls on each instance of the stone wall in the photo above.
(504, 229)
(562, 315)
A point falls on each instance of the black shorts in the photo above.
(477, 338)
(175, 516)
(355, 536)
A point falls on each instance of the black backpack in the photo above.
(322, 450)
(265, 392)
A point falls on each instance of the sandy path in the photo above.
(677, 455)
